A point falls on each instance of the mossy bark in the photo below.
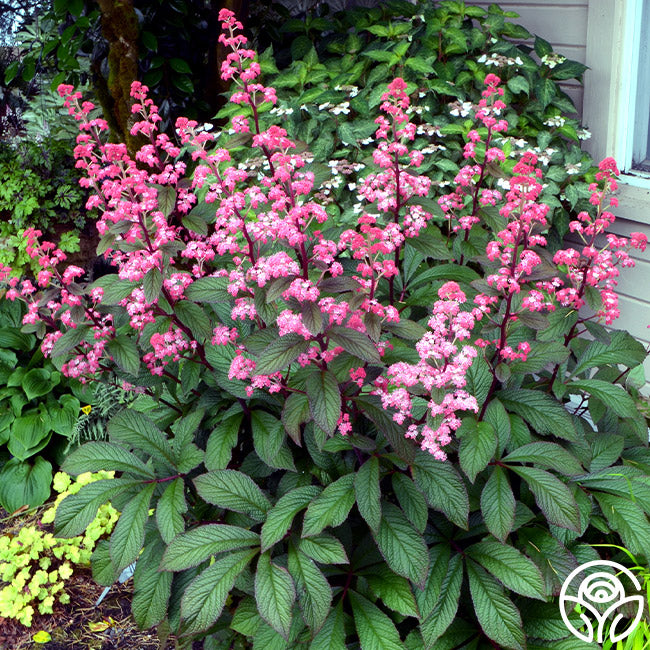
(120, 29)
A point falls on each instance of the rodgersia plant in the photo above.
(347, 433)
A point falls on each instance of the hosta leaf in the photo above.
(324, 399)
(545, 414)
(376, 631)
(206, 595)
(197, 545)
(279, 517)
(510, 567)
(97, 456)
(401, 545)
(498, 504)
(170, 509)
(275, 594)
(37, 382)
(442, 487)
(227, 488)
(128, 536)
(366, 489)
(552, 496)
(314, 592)
(496, 613)
(331, 507)
(478, 444)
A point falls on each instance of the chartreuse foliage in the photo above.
(34, 564)
(348, 437)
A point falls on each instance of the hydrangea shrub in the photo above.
(345, 433)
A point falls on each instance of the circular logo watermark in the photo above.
(600, 591)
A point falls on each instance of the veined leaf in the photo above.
(366, 489)
(394, 591)
(151, 588)
(496, 613)
(376, 631)
(324, 399)
(552, 496)
(324, 549)
(332, 635)
(356, 343)
(233, 490)
(152, 285)
(411, 500)
(170, 509)
(547, 454)
(125, 354)
(206, 595)
(294, 413)
(628, 519)
(314, 592)
(331, 507)
(498, 504)
(622, 348)
(478, 444)
(281, 353)
(442, 487)
(275, 594)
(128, 536)
(223, 438)
(97, 456)
(401, 545)
(613, 396)
(510, 567)
(197, 545)
(280, 516)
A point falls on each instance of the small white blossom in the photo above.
(583, 134)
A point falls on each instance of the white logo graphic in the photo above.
(600, 588)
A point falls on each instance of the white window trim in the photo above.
(613, 37)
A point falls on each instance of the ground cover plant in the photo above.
(345, 437)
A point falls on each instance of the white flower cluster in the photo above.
(498, 60)
(553, 59)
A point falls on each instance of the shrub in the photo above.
(347, 434)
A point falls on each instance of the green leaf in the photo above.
(324, 399)
(442, 487)
(125, 354)
(29, 434)
(518, 84)
(275, 594)
(170, 509)
(152, 284)
(227, 488)
(37, 382)
(97, 456)
(332, 635)
(613, 396)
(552, 496)
(280, 516)
(208, 289)
(393, 590)
(197, 545)
(76, 511)
(401, 545)
(166, 195)
(223, 438)
(295, 412)
(622, 348)
(70, 339)
(128, 536)
(246, 620)
(496, 613)
(206, 595)
(180, 65)
(544, 413)
(510, 567)
(478, 445)
(23, 483)
(498, 504)
(114, 291)
(376, 631)
(281, 353)
(331, 507)
(324, 549)
(195, 319)
(354, 342)
(547, 454)
(411, 500)
(628, 519)
(151, 588)
(138, 431)
(366, 489)
(438, 602)
(268, 440)
(313, 590)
